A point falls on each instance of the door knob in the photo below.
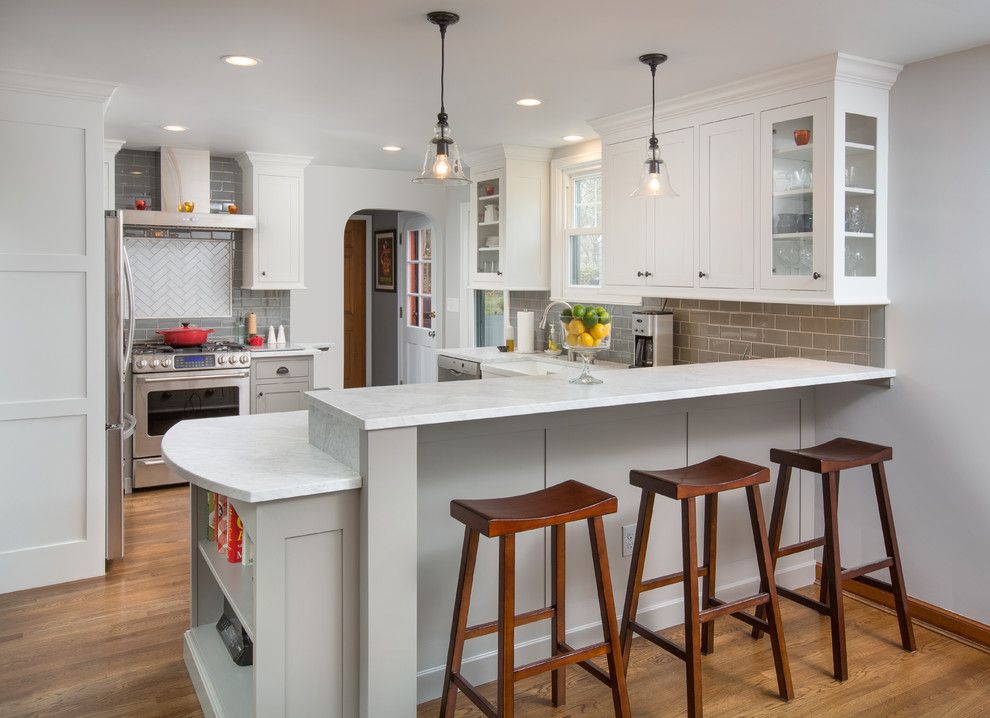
(432, 315)
(816, 275)
(701, 275)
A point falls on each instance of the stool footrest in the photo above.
(747, 618)
(804, 601)
(720, 608)
(658, 640)
(669, 580)
(874, 583)
(483, 629)
(799, 547)
(559, 661)
(471, 692)
(588, 665)
(849, 574)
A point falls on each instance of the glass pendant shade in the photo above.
(654, 180)
(442, 163)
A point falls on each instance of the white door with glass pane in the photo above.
(419, 316)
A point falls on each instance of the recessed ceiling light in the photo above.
(571, 138)
(241, 60)
(391, 148)
(175, 128)
(529, 102)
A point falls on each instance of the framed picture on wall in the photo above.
(385, 259)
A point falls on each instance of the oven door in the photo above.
(163, 400)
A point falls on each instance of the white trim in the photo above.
(837, 66)
(466, 334)
(561, 170)
(72, 88)
(268, 160)
(369, 276)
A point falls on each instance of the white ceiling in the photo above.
(341, 79)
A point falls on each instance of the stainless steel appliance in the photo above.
(452, 369)
(653, 337)
(172, 385)
(120, 340)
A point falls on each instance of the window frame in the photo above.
(563, 172)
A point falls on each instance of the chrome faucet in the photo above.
(546, 312)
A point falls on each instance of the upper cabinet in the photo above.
(509, 243)
(273, 192)
(782, 183)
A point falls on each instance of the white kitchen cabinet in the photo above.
(771, 220)
(279, 383)
(657, 243)
(508, 246)
(728, 203)
(273, 192)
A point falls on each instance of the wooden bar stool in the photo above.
(707, 479)
(829, 459)
(504, 518)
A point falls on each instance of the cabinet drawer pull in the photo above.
(282, 370)
(701, 275)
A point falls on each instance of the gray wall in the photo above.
(384, 311)
(934, 415)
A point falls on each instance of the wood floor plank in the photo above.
(112, 647)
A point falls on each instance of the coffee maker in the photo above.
(653, 337)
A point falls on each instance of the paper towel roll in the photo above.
(525, 340)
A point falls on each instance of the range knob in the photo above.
(154, 363)
(245, 358)
(166, 362)
(142, 363)
(221, 359)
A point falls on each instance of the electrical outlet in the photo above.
(628, 539)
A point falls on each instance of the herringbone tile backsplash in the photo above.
(181, 277)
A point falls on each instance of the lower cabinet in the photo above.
(278, 383)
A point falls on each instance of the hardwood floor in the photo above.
(112, 647)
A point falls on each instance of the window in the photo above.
(583, 228)
(489, 317)
(419, 279)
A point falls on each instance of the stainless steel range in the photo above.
(172, 385)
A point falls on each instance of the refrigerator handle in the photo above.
(130, 308)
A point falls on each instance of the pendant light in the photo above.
(442, 164)
(655, 179)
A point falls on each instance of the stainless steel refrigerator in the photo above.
(120, 342)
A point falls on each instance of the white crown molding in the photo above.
(112, 147)
(495, 156)
(254, 160)
(828, 69)
(72, 88)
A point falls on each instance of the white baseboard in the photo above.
(482, 668)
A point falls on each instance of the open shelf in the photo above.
(863, 235)
(855, 148)
(860, 190)
(235, 580)
(793, 235)
(227, 687)
(794, 192)
(800, 152)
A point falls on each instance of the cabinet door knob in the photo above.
(433, 334)
(648, 274)
(498, 273)
(701, 275)
(261, 394)
(282, 370)
(264, 274)
(639, 274)
(816, 275)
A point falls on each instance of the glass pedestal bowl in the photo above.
(586, 338)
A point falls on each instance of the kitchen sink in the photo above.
(528, 367)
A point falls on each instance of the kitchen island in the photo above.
(416, 447)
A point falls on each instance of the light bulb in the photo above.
(654, 182)
(441, 167)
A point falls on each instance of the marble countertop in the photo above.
(262, 457)
(389, 407)
(284, 350)
(491, 355)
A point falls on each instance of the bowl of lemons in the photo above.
(586, 331)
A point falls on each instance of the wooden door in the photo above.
(627, 219)
(355, 293)
(728, 198)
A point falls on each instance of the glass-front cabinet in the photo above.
(859, 257)
(487, 218)
(794, 216)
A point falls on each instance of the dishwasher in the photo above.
(451, 369)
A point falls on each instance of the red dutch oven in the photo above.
(185, 336)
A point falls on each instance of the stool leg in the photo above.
(768, 585)
(708, 582)
(830, 491)
(692, 621)
(823, 590)
(896, 573)
(558, 626)
(506, 624)
(462, 600)
(636, 572)
(606, 603)
(776, 528)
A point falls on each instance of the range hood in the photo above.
(186, 178)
